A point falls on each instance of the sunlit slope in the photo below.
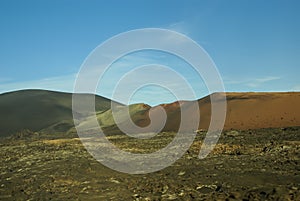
(123, 115)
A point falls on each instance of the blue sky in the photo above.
(254, 44)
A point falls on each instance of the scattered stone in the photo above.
(232, 133)
(181, 173)
(114, 180)
(204, 188)
(165, 189)
(199, 131)
(136, 195)
(170, 196)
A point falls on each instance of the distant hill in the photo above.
(51, 112)
(38, 110)
(245, 110)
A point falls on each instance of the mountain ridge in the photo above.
(51, 111)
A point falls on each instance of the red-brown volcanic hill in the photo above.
(244, 110)
(262, 110)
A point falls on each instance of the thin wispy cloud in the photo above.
(180, 26)
(188, 28)
(249, 82)
(260, 81)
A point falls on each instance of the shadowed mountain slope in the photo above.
(40, 109)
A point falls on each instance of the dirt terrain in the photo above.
(245, 165)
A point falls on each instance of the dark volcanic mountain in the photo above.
(39, 109)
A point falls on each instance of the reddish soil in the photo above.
(244, 111)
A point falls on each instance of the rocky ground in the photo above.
(245, 165)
